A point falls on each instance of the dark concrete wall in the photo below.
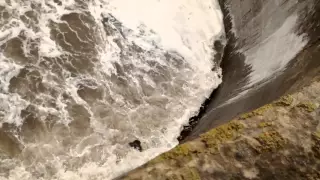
(263, 35)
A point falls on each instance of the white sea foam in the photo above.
(142, 80)
(271, 56)
(275, 52)
(185, 26)
(12, 104)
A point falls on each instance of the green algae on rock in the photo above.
(307, 106)
(257, 112)
(180, 151)
(264, 124)
(286, 100)
(221, 134)
(270, 141)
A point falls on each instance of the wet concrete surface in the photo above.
(248, 25)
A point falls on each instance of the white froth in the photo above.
(185, 27)
(271, 57)
(274, 53)
(11, 103)
(49, 48)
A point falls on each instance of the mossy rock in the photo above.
(221, 134)
(181, 152)
(264, 124)
(190, 174)
(284, 101)
(270, 141)
(258, 112)
(307, 106)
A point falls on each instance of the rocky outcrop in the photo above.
(277, 141)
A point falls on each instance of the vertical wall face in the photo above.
(273, 48)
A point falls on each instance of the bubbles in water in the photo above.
(80, 80)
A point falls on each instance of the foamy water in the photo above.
(79, 80)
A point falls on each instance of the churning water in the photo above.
(80, 79)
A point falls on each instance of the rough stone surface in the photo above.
(280, 140)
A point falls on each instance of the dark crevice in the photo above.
(194, 120)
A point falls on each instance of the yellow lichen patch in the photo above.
(284, 101)
(264, 124)
(221, 134)
(270, 141)
(307, 106)
(182, 151)
(257, 112)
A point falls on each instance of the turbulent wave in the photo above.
(79, 80)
